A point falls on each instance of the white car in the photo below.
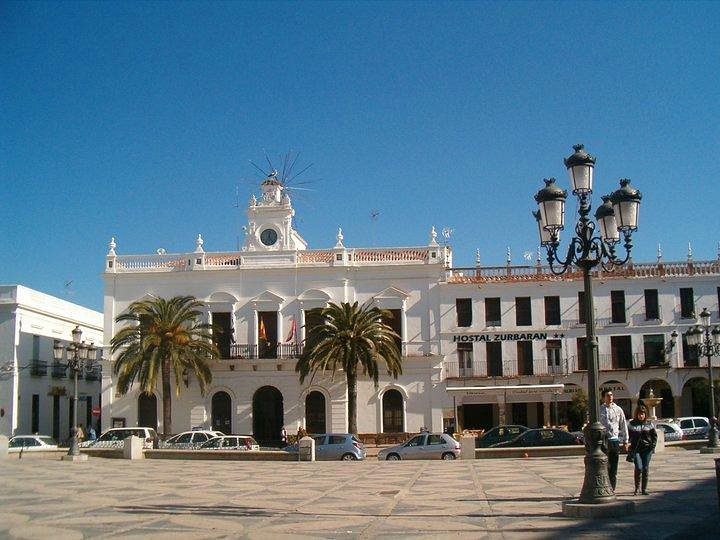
(32, 443)
(231, 442)
(115, 438)
(672, 431)
(190, 439)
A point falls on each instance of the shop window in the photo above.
(463, 310)
(552, 310)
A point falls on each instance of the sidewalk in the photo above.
(498, 498)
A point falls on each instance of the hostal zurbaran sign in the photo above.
(529, 336)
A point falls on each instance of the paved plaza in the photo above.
(489, 498)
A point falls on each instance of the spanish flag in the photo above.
(293, 330)
(262, 334)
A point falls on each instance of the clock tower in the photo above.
(269, 225)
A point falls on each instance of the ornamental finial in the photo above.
(112, 246)
(477, 257)
(339, 237)
(659, 253)
(433, 236)
(199, 244)
(508, 256)
(689, 255)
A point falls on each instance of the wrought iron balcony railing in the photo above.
(38, 368)
(59, 370)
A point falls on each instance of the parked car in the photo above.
(334, 446)
(694, 427)
(231, 442)
(499, 434)
(423, 446)
(190, 439)
(541, 437)
(31, 443)
(671, 430)
(115, 437)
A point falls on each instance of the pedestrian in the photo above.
(301, 433)
(80, 434)
(91, 435)
(613, 418)
(283, 436)
(643, 439)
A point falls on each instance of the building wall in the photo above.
(24, 314)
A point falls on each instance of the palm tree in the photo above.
(163, 338)
(350, 338)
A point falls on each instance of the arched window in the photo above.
(392, 404)
(315, 412)
(221, 412)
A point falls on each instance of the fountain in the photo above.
(651, 402)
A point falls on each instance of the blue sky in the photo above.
(139, 120)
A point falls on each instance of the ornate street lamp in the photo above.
(617, 215)
(78, 353)
(706, 341)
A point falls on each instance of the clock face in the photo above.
(268, 237)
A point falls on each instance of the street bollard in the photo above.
(467, 447)
(306, 449)
(3, 447)
(133, 448)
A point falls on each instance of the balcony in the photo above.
(482, 369)
(58, 370)
(93, 373)
(38, 368)
(279, 351)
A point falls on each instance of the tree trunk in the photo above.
(351, 377)
(166, 397)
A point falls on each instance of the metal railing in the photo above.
(59, 370)
(38, 368)
(93, 374)
(254, 351)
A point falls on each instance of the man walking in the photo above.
(613, 418)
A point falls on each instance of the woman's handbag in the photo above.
(630, 457)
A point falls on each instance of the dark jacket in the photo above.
(643, 436)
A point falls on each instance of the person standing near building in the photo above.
(613, 418)
(643, 439)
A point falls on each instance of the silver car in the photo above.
(231, 442)
(343, 446)
(423, 446)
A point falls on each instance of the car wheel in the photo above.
(348, 457)
(392, 457)
(448, 456)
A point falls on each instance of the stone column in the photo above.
(547, 417)
(677, 402)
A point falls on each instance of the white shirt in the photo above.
(613, 418)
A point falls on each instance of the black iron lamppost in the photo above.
(706, 340)
(618, 214)
(77, 354)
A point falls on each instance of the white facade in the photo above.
(35, 394)
(261, 295)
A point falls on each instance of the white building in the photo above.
(35, 391)
(461, 330)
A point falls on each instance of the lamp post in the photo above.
(706, 340)
(77, 354)
(617, 215)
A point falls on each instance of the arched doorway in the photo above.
(696, 397)
(315, 412)
(661, 389)
(221, 412)
(147, 411)
(392, 405)
(268, 415)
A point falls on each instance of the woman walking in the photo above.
(643, 439)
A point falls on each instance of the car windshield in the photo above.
(212, 443)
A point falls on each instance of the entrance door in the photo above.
(315, 412)
(519, 414)
(477, 416)
(221, 413)
(268, 416)
(147, 411)
(392, 403)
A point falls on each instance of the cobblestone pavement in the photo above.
(491, 498)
